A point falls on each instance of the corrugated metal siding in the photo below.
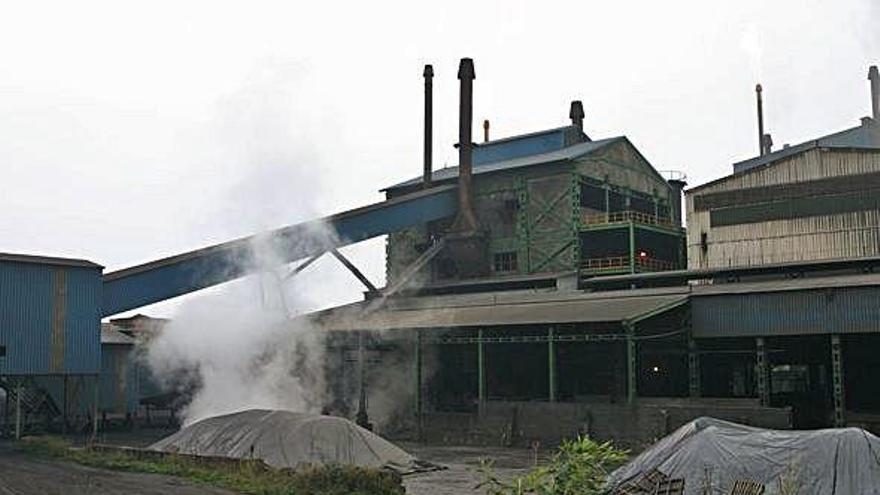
(119, 379)
(49, 318)
(808, 312)
(821, 237)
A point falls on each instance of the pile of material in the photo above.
(840, 460)
(285, 439)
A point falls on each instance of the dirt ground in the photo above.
(24, 475)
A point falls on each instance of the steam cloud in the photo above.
(243, 349)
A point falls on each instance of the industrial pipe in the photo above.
(429, 117)
(758, 90)
(874, 77)
(467, 218)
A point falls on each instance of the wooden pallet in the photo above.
(747, 487)
(669, 487)
(644, 484)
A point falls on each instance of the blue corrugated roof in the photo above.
(865, 136)
(562, 154)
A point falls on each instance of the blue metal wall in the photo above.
(120, 384)
(49, 318)
(519, 146)
(802, 312)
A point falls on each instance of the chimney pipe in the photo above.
(874, 77)
(576, 114)
(467, 218)
(768, 144)
(758, 90)
(429, 118)
(485, 131)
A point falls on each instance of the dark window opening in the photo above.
(505, 262)
(593, 197)
(2, 351)
(704, 241)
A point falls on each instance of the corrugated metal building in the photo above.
(819, 200)
(49, 332)
(120, 373)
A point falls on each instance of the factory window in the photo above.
(505, 262)
(2, 351)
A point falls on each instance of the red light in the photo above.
(643, 254)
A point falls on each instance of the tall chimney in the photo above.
(677, 184)
(874, 77)
(429, 117)
(758, 90)
(576, 114)
(485, 131)
(467, 218)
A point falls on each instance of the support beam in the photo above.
(302, 266)
(361, 418)
(95, 387)
(417, 390)
(481, 368)
(632, 246)
(693, 368)
(762, 372)
(354, 270)
(64, 406)
(18, 409)
(631, 364)
(837, 378)
(551, 365)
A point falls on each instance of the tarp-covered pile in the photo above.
(820, 462)
(286, 439)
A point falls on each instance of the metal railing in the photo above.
(624, 216)
(642, 264)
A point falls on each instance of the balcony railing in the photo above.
(624, 216)
(615, 263)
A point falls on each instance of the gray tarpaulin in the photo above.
(286, 439)
(840, 461)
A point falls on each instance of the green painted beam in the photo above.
(551, 364)
(481, 367)
(631, 365)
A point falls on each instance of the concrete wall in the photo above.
(630, 426)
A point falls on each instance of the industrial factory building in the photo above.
(544, 287)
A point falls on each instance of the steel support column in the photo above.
(95, 386)
(837, 381)
(631, 364)
(417, 359)
(762, 372)
(361, 418)
(481, 368)
(64, 406)
(18, 409)
(551, 365)
(693, 368)
(632, 246)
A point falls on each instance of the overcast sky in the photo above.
(132, 131)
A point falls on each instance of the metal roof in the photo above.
(47, 260)
(865, 136)
(796, 284)
(564, 154)
(111, 335)
(504, 308)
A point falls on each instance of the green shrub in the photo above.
(579, 467)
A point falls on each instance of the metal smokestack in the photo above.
(874, 77)
(485, 131)
(467, 218)
(429, 117)
(576, 114)
(758, 90)
(768, 144)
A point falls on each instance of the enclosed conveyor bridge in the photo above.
(174, 276)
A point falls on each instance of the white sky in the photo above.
(131, 131)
